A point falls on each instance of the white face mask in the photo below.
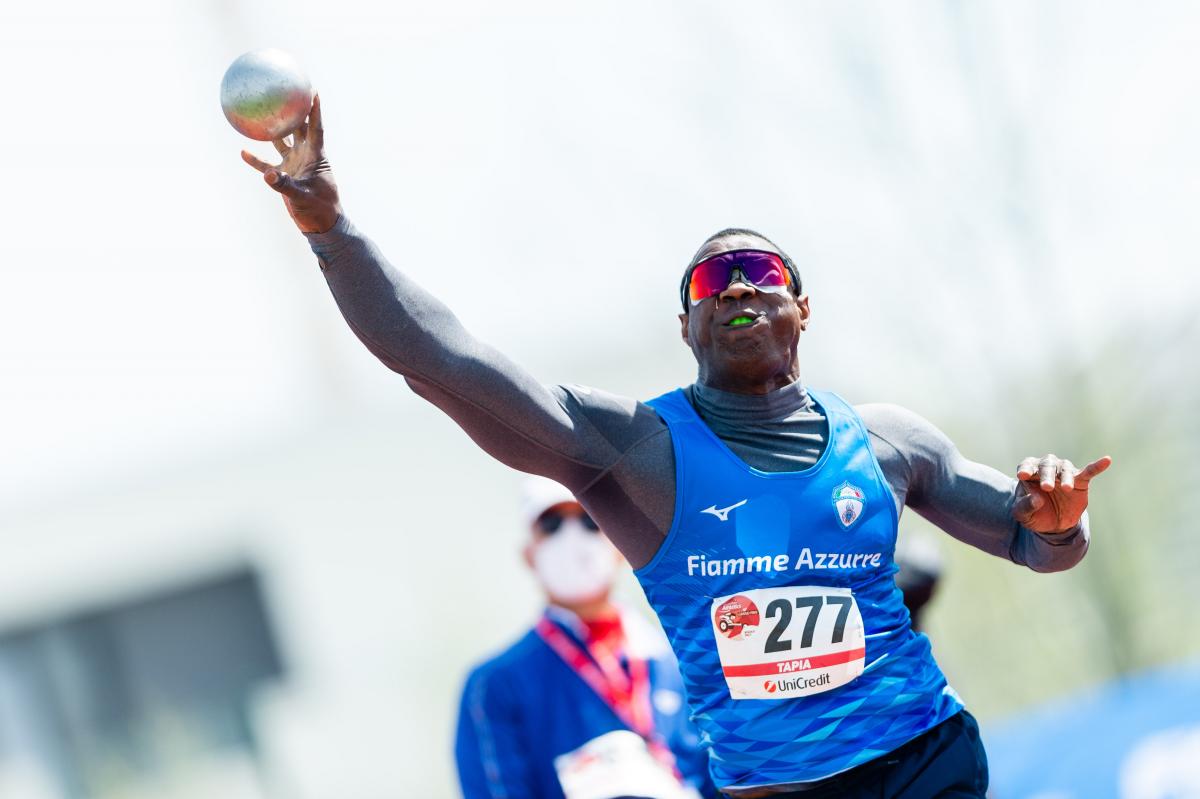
(575, 564)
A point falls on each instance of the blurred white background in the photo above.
(991, 205)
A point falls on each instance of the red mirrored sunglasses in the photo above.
(765, 270)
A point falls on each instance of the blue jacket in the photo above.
(524, 707)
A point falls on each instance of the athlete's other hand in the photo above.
(1052, 493)
(304, 177)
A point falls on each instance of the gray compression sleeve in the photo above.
(505, 410)
(969, 500)
(613, 453)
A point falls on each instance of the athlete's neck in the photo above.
(723, 406)
(749, 384)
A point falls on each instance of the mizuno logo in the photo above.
(723, 513)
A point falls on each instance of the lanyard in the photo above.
(627, 694)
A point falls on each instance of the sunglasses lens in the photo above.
(590, 523)
(710, 277)
(764, 269)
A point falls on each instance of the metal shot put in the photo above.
(265, 94)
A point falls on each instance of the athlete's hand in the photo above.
(1052, 494)
(304, 178)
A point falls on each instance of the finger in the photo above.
(1025, 507)
(255, 161)
(1047, 472)
(1027, 469)
(1067, 472)
(282, 182)
(316, 129)
(281, 146)
(1096, 467)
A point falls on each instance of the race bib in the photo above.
(781, 643)
(617, 764)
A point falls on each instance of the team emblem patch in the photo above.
(848, 502)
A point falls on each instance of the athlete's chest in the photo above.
(732, 518)
(840, 523)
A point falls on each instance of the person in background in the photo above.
(588, 704)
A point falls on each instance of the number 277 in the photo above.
(783, 609)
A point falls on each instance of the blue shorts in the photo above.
(948, 761)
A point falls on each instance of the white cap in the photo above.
(538, 494)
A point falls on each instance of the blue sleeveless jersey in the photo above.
(777, 592)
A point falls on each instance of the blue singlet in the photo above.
(777, 593)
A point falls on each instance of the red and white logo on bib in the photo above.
(736, 618)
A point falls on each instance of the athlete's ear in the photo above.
(683, 329)
(802, 304)
(527, 553)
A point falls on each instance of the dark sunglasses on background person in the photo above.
(765, 270)
(551, 521)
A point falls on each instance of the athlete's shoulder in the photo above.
(888, 415)
(619, 417)
(591, 397)
(597, 400)
(911, 435)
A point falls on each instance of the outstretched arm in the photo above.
(1037, 520)
(505, 410)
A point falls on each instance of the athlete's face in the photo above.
(745, 358)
